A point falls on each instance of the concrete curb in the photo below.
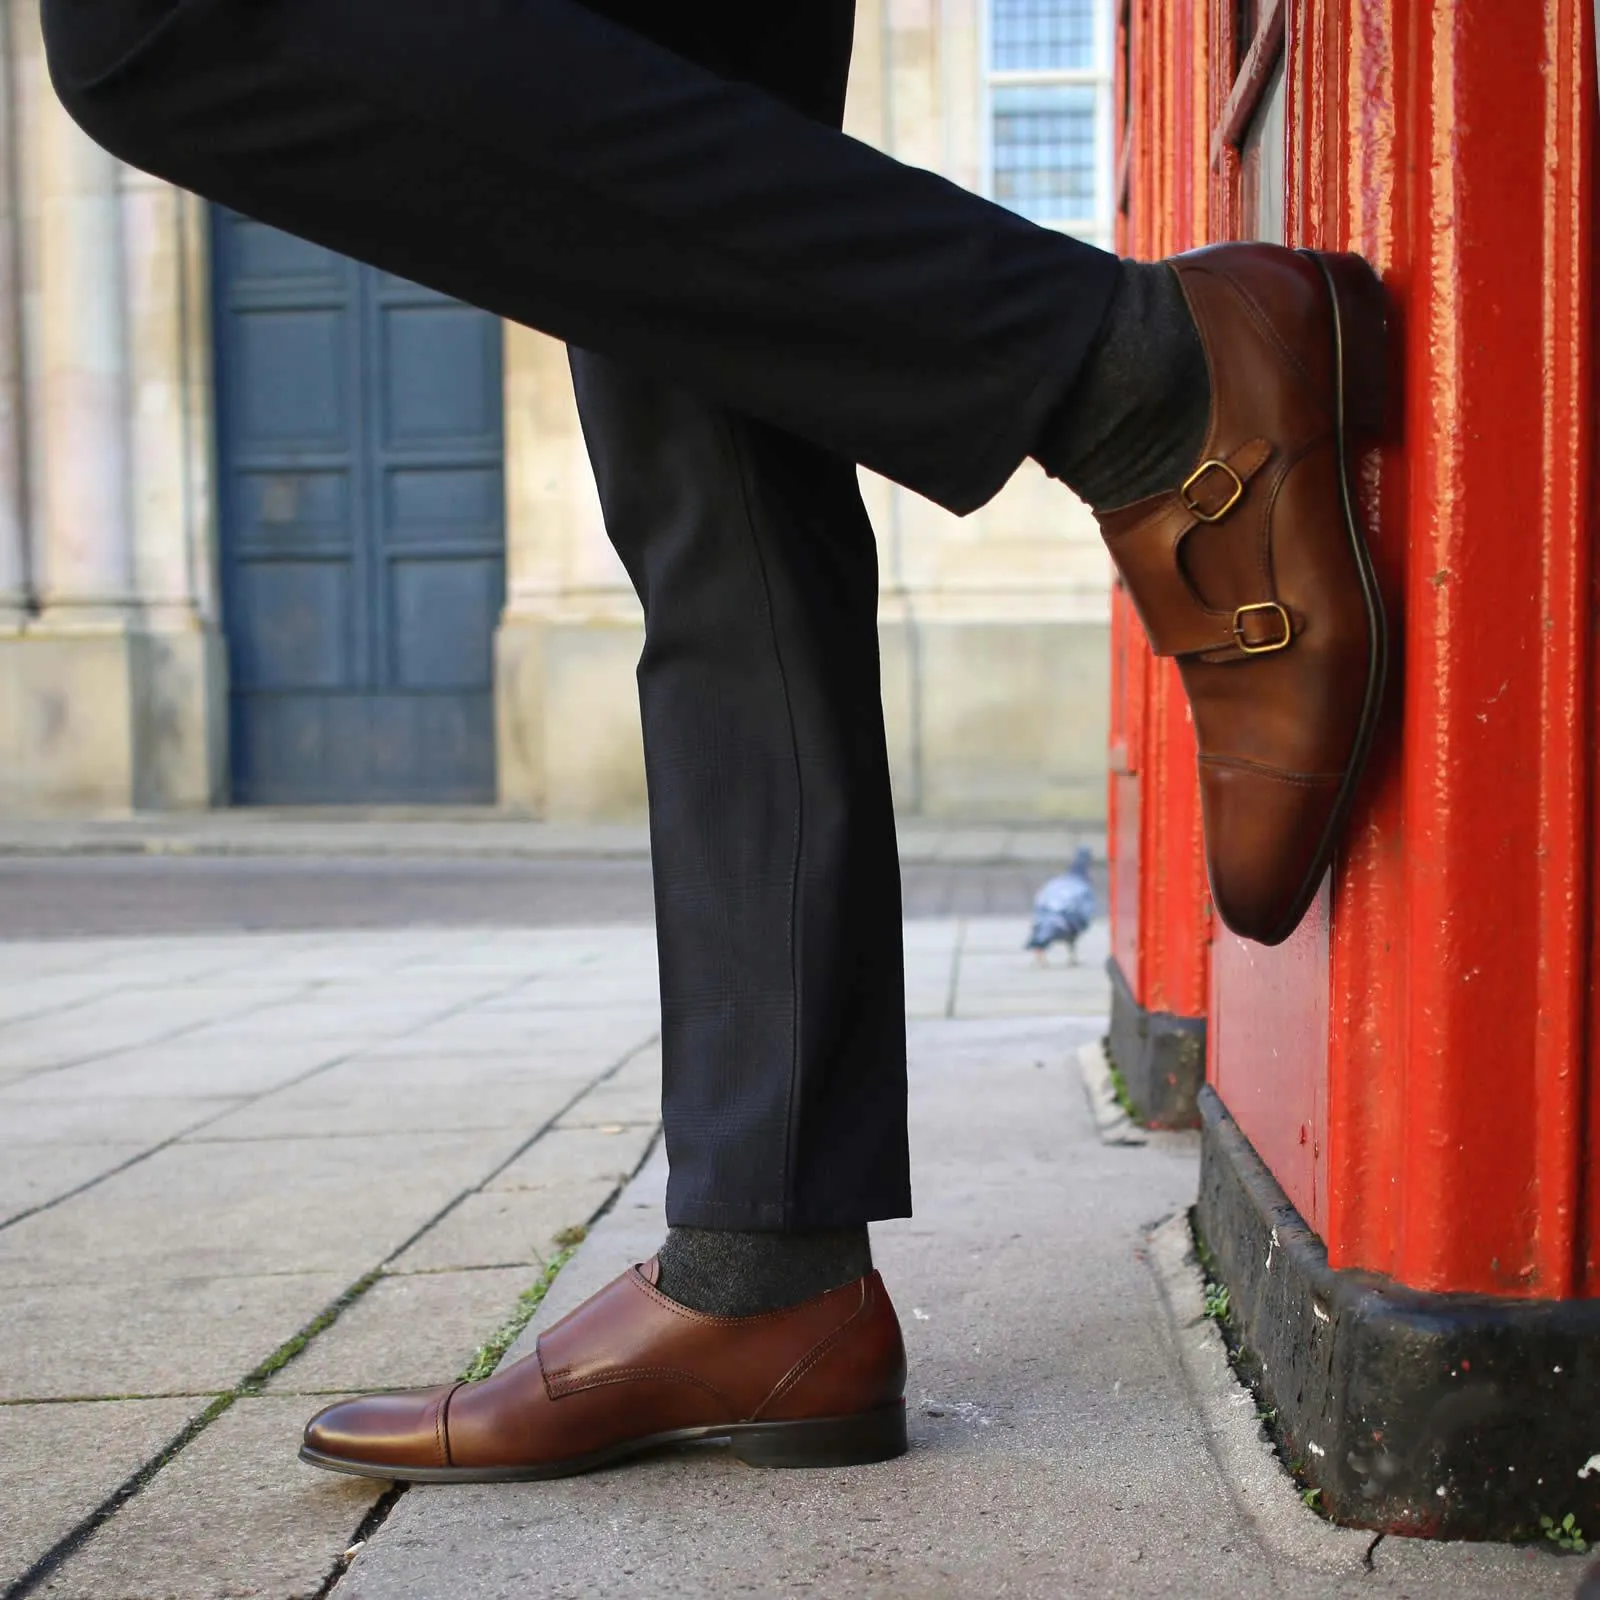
(227, 835)
(1263, 1493)
(1111, 1122)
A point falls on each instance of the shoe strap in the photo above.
(1146, 549)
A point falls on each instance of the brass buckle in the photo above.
(1199, 512)
(1271, 645)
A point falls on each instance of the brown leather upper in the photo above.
(629, 1364)
(1252, 578)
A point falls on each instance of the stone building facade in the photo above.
(136, 527)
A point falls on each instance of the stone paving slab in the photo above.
(379, 1097)
(586, 1030)
(47, 993)
(32, 1175)
(234, 1514)
(616, 1104)
(30, 1119)
(501, 1228)
(572, 1154)
(929, 995)
(995, 976)
(206, 1210)
(442, 1317)
(315, 1110)
(619, 986)
(120, 1023)
(325, 1029)
(152, 1337)
(57, 1462)
(191, 1067)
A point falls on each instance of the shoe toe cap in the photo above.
(1264, 834)
(400, 1430)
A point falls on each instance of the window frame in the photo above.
(1256, 62)
(1257, 48)
(1097, 228)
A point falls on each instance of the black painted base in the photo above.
(1162, 1058)
(1453, 1416)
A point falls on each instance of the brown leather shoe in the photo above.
(821, 1384)
(1255, 575)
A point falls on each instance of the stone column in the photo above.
(87, 577)
(567, 709)
(70, 679)
(181, 679)
(162, 517)
(13, 438)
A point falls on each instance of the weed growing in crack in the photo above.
(1565, 1534)
(1119, 1088)
(1217, 1301)
(254, 1382)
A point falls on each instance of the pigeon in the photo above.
(1063, 910)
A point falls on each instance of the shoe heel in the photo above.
(1361, 310)
(831, 1442)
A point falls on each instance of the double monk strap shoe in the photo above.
(1254, 573)
(820, 1384)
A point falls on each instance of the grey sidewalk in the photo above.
(211, 1145)
(241, 1174)
(1070, 1407)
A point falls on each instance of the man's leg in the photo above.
(777, 877)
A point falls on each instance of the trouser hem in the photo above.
(1094, 284)
(774, 1217)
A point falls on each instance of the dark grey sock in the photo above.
(741, 1274)
(1134, 422)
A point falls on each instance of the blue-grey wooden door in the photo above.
(361, 458)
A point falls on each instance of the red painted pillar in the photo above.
(1413, 1066)
(1402, 1142)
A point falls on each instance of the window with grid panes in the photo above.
(1049, 112)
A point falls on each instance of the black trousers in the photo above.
(755, 304)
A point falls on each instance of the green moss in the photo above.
(1119, 1084)
(255, 1381)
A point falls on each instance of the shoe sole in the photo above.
(1360, 312)
(855, 1441)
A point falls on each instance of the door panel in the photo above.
(362, 484)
